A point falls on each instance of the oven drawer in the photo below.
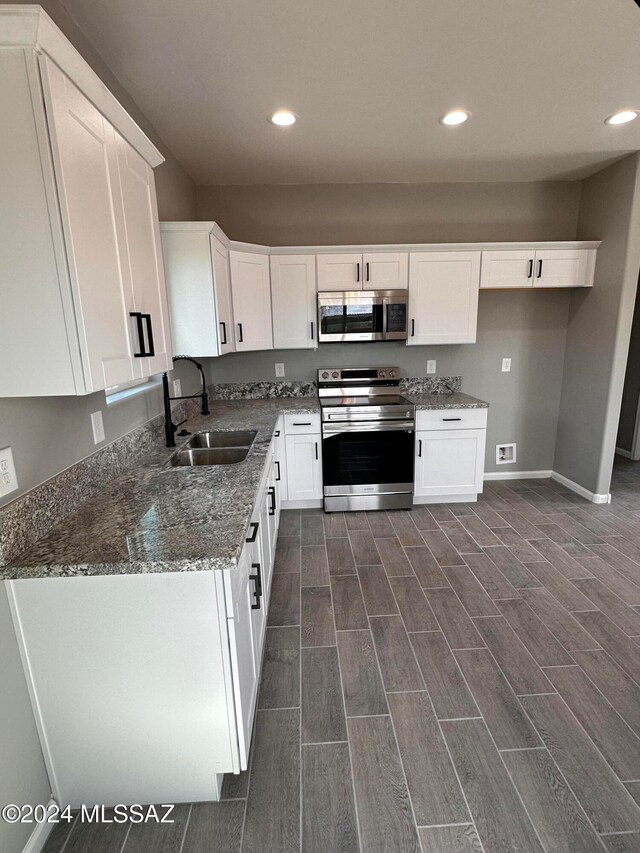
(302, 424)
(451, 419)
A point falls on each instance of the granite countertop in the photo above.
(156, 518)
(457, 400)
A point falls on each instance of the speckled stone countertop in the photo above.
(457, 400)
(156, 518)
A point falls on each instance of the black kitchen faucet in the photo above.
(169, 426)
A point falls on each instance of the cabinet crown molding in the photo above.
(29, 26)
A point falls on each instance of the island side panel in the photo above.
(128, 677)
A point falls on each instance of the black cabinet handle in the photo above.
(278, 466)
(272, 495)
(367, 270)
(224, 332)
(240, 330)
(256, 527)
(302, 423)
(413, 328)
(257, 579)
(530, 273)
(317, 457)
(277, 433)
(140, 329)
(312, 330)
(152, 349)
(540, 268)
(358, 271)
(419, 447)
(452, 419)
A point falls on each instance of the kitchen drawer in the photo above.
(451, 419)
(302, 424)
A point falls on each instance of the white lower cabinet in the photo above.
(450, 449)
(304, 467)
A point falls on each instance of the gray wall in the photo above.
(393, 213)
(631, 393)
(528, 327)
(599, 328)
(48, 435)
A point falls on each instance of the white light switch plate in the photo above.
(8, 479)
(506, 365)
(177, 388)
(98, 427)
(279, 370)
(431, 366)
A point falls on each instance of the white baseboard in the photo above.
(38, 837)
(316, 504)
(625, 453)
(580, 490)
(517, 475)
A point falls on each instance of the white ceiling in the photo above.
(369, 80)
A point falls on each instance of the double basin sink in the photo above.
(214, 448)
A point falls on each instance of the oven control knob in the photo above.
(335, 374)
(325, 374)
(382, 374)
(393, 374)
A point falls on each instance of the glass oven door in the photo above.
(367, 458)
(350, 316)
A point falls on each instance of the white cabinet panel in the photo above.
(385, 270)
(86, 169)
(280, 461)
(443, 297)
(449, 462)
(561, 268)
(293, 301)
(222, 295)
(340, 272)
(507, 269)
(144, 257)
(304, 467)
(251, 300)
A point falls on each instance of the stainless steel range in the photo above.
(367, 439)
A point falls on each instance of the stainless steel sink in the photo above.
(191, 457)
(237, 438)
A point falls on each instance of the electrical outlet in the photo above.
(506, 365)
(431, 366)
(279, 370)
(177, 388)
(8, 479)
(505, 454)
(98, 427)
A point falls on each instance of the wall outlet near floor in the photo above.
(8, 479)
(177, 388)
(505, 454)
(506, 365)
(431, 366)
(279, 370)
(98, 427)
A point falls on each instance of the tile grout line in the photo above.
(188, 821)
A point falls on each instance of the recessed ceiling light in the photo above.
(454, 117)
(283, 118)
(623, 117)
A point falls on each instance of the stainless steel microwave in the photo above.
(362, 315)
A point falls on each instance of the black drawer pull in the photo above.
(312, 330)
(277, 433)
(140, 328)
(256, 527)
(419, 447)
(272, 495)
(317, 457)
(302, 423)
(240, 331)
(413, 328)
(224, 332)
(452, 419)
(357, 272)
(540, 268)
(530, 273)
(278, 478)
(257, 579)
(152, 349)
(367, 270)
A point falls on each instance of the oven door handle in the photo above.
(367, 426)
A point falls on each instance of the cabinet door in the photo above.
(222, 292)
(293, 301)
(561, 268)
(251, 301)
(340, 272)
(257, 582)
(245, 668)
(449, 462)
(507, 269)
(443, 297)
(385, 270)
(280, 462)
(86, 171)
(304, 467)
(144, 258)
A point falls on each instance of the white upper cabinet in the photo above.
(443, 297)
(198, 282)
(84, 303)
(293, 301)
(251, 300)
(537, 268)
(385, 270)
(370, 271)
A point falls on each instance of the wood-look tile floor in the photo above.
(452, 679)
